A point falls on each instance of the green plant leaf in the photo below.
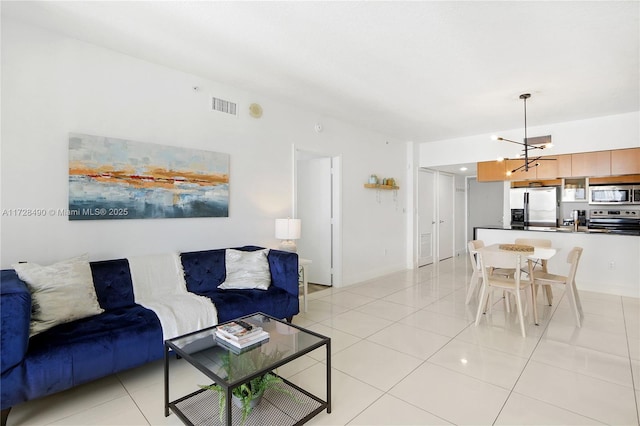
(240, 365)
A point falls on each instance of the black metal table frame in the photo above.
(228, 387)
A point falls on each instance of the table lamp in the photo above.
(288, 230)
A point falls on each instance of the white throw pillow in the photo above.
(246, 270)
(60, 293)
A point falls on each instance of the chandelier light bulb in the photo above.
(494, 137)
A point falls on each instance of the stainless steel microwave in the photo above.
(614, 194)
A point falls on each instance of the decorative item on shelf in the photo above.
(540, 142)
(288, 230)
(383, 183)
(373, 179)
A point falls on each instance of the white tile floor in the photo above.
(406, 352)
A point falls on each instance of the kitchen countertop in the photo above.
(562, 229)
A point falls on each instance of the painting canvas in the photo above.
(121, 179)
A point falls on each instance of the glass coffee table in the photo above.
(287, 405)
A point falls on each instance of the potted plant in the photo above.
(247, 395)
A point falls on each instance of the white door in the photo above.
(426, 216)
(314, 207)
(446, 191)
(484, 205)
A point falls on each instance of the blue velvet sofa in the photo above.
(125, 335)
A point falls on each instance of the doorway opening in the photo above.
(484, 204)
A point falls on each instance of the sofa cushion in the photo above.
(203, 270)
(15, 316)
(246, 270)
(60, 293)
(112, 280)
(232, 304)
(77, 352)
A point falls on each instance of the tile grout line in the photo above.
(133, 399)
(393, 322)
(528, 361)
(511, 391)
(633, 383)
(387, 392)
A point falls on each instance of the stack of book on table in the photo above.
(240, 335)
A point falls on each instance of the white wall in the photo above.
(53, 85)
(596, 134)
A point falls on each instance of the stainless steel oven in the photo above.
(614, 194)
(614, 220)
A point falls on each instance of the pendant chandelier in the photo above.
(529, 144)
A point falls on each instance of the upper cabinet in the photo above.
(547, 168)
(591, 164)
(625, 161)
(490, 171)
(564, 165)
(520, 174)
(617, 162)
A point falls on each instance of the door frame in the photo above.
(336, 205)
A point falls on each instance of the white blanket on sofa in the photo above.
(159, 285)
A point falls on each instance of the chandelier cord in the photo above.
(526, 141)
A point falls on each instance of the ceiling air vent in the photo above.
(222, 105)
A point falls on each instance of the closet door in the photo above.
(426, 216)
(446, 191)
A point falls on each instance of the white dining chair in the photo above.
(569, 281)
(510, 285)
(538, 265)
(476, 276)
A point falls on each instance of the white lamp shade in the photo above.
(288, 229)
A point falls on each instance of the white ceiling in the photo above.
(420, 71)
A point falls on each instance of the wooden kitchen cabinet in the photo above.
(491, 171)
(591, 164)
(548, 168)
(520, 174)
(625, 161)
(564, 165)
(597, 164)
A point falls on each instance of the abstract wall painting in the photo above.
(121, 179)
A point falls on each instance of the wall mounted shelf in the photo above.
(378, 186)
